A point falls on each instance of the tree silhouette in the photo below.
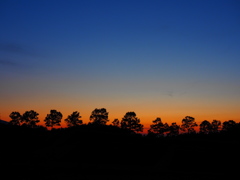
(188, 124)
(16, 118)
(173, 129)
(158, 127)
(131, 122)
(30, 118)
(99, 116)
(205, 127)
(216, 126)
(116, 122)
(53, 119)
(228, 125)
(73, 119)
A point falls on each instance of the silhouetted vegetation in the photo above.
(16, 118)
(30, 119)
(131, 122)
(215, 126)
(173, 129)
(116, 122)
(158, 128)
(229, 125)
(117, 151)
(206, 127)
(53, 119)
(73, 119)
(188, 124)
(99, 116)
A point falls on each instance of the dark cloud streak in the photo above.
(8, 63)
(19, 49)
(12, 48)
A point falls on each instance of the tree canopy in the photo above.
(205, 127)
(173, 129)
(16, 118)
(99, 116)
(73, 119)
(116, 122)
(188, 124)
(131, 122)
(30, 118)
(158, 127)
(216, 126)
(53, 119)
(228, 125)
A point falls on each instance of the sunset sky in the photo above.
(158, 58)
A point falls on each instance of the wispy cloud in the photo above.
(8, 63)
(19, 49)
(169, 93)
(12, 48)
(183, 90)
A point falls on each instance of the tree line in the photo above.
(158, 128)
(130, 122)
(98, 117)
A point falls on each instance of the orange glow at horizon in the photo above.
(146, 117)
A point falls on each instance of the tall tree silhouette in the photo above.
(158, 127)
(228, 125)
(30, 118)
(188, 124)
(205, 127)
(173, 129)
(131, 122)
(53, 119)
(116, 122)
(216, 124)
(16, 118)
(99, 116)
(73, 119)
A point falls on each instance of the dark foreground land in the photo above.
(90, 152)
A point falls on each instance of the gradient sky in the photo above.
(158, 58)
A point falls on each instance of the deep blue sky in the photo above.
(167, 58)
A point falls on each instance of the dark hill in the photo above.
(93, 152)
(2, 122)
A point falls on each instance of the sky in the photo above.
(158, 58)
